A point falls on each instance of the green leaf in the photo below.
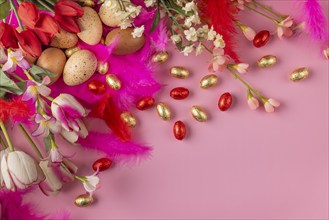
(4, 9)
(155, 21)
(47, 141)
(8, 85)
(38, 73)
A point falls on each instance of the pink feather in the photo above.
(114, 148)
(12, 207)
(315, 20)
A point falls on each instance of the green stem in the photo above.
(17, 77)
(4, 130)
(80, 178)
(50, 2)
(2, 143)
(45, 5)
(261, 13)
(29, 139)
(12, 5)
(267, 8)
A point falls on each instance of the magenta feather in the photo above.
(111, 145)
(12, 207)
(315, 20)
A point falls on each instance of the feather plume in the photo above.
(315, 20)
(16, 110)
(221, 14)
(12, 207)
(114, 148)
(108, 111)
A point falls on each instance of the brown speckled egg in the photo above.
(91, 27)
(79, 67)
(52, 59)
(64, 39)
(111, 13)
(127, 44)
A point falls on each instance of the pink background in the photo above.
(240, 164)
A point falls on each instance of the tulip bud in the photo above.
(28, 13)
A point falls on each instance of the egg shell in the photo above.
(64, 39)
(53, 59)
(79, 67)
(126, 44)
(111, 14)
(91, 27)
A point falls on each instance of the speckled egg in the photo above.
(91, 27)
(127, 44)
(53, 59)
(79, 67)
(64, 39)
(111, 13)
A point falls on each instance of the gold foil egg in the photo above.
(199, 114)
(163, 111)
(83, 200)
(70, 51)
(103, 67)
(113, 81)
(266, 61)
(129, 119)
(160, 57)
(208, 81)
(179, 72)
(88, 3)
(299, 74)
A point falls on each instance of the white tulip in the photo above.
(20, 170)
(53, 183)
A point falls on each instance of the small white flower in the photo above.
(241, 67)
(190, 6)
(125, 24)
(192, 19)
(149, 3)
(133, 10)
(211, 34)
(253, 103)
(203, 31)
(138, 31)
(187, 50)
(176, 38)
(91, 183)
(219, 42)
(191, 34)
(270, 104)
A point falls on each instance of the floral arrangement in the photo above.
(64, 62)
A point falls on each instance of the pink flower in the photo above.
(248, 32)
(241, 67)
(34, 89)
(15, 58)
(55, 155)
(47, 124)
(326, 53)
(69, 112)
(90, 182)
(270, 104)
(253, 103)
(19, 170)
(219, 62)
(284, 27)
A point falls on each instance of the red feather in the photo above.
(109, 112)
(15, 110)
(222, 15)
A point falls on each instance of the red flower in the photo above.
(44, 38)
(28, 13)
(47, 24)
(7, 36)
(65, 14)
(68, 8)
(29, 43)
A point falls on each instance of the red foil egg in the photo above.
(179, 130)
(145, 103)
(179, 93)
(96, 87)
(102, 164)
(225, 101)
(261, 38)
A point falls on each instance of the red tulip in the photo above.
(69, 24)
(28, 13)
(68, 8)
(7, 36)
(47, 24)
(44, 38)
(29, 42)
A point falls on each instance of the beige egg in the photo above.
(111, 13)
(127, 44)
(91, 27)
(79, 67)
(64, 39)
(53, 59)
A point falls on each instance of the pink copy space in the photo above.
(240, 164)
